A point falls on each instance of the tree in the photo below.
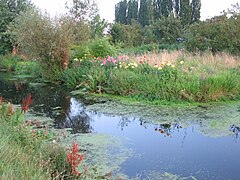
(128, 35)
(98, 25)
(195, 10)
(132, 11)
(82, 10)
(235, 9)
(167, 29)
(117, 33)
(185, 12)
(145, 16)
(177, 7)
(157, 9)
(121, 12)
(167, 7)
(9, 10)
(45, 39)
(217, 34)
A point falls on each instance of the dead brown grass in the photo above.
(197, 61)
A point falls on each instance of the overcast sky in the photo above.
(210, 8)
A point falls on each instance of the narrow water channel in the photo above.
(193, 150)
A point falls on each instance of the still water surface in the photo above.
(178, 149)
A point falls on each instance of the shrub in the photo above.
(9, 62)
(97, 48)
(101, 48)
(31, 68)
(217, 34)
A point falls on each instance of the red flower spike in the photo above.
(25, 102)
(74, 159)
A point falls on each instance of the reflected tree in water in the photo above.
(75, 118)
(167, 129)
(235, 130)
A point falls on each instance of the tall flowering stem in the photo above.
(25, 102)
(74, 159)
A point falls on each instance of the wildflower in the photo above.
(141, 61)
(104, 62)
(26, 102)
(74, 159)
(168, 64)
(156, 66)
(163, 63)
(173, 66)
(120, 57)
(120, 66)
(181, 62)
(160, 68)
(75, 59)
(114, 61)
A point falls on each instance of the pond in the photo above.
(194, 143)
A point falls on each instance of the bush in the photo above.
(31, 68)
(9, 62)
(97, 48)
(217, 34)
(101, 48)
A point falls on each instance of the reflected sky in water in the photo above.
(163, 147)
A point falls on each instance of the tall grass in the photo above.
(168, 76)
(24, 151)
(17, 162)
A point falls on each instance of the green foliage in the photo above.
(26, 152)
(129, 35)
(132, 12)
(101, 48)
(144, 82)
(9, 62)
(9, 10)
(98, 26)
(195, 10)
(215, 34)
(121, 12)
(47, 40)
(31, 68)
(143, 49)
(185, 12)
(145, 14)
(162, 8)
(82, 10)
(81, 32)
(167, 30)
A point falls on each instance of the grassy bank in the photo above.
(27, 150)
(168, 76)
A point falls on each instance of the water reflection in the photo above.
(202, 155)
(167, 129)
(75, 118)
(235, 130)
